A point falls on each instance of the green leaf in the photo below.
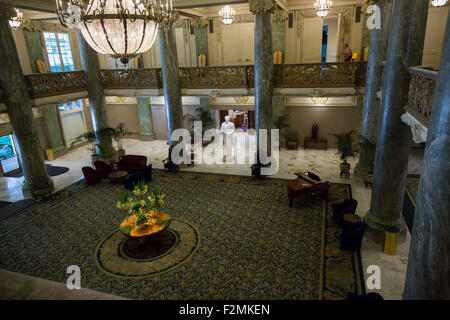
(126, 230)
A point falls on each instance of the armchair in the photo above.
(291, 139)
(91, 176)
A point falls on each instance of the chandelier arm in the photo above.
(142, 39)
(102, 23)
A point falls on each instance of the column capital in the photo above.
(258, 6)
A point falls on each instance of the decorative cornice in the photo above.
(418, 130)
(258, 6)
(199, 22)
(279, 16)
(44, 26)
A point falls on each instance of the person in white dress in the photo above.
(228, 130)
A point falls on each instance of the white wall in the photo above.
(434, 37)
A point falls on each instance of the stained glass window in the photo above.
(59, 52)
(62, 107)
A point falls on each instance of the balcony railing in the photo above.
(313, 75)
(421, 93)
(134, 79)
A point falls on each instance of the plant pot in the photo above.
(345, 170)
(95, 157)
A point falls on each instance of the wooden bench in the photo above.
(321, 141)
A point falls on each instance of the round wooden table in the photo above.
(117, 176)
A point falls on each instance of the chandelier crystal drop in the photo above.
(438, 3)
(322, 7)
(119, 28)
(16, 22)
(227, 15)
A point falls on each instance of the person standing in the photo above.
(347, 53)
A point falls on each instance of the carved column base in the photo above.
(42, 189)
(418, 130)
(366, 161)
(377, 226)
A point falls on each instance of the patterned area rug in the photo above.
(253, 246)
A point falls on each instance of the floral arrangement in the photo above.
(143, 218)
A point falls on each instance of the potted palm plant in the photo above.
(204, 116)
(346, 148)
(118, 133)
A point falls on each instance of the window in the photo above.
(72, 106)
(58, 51)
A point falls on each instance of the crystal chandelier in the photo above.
(16, 22)
(322, 7)
(319, 100)
(227, 14)
(119, 28)
(438, 3)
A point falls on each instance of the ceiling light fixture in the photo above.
(119, 28)
(322, 7)
(227, 15)
(319, 100)
(438, 3)
(241, 100)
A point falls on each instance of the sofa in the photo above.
(91, 176)
(132, 163)
(132, 179)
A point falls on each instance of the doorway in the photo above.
(9, 161)
(324, 44)
(242, 119)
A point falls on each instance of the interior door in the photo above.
(312, 40)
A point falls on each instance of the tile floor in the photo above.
(323, 163)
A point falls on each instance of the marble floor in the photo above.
(323, 163)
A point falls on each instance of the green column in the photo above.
(145, 118)
(20, 113)
(53, 129)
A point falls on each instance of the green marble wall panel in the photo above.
(201, 42)
(145, 119)
(279, 37)
(35, 48)
(52, 129)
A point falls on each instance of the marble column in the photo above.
(52, 129)
(171, 81)
(377, 54)
(20, 111)
(145, 118)
(406, 42)
(263, 66)
(97, 100)
(428, 273)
